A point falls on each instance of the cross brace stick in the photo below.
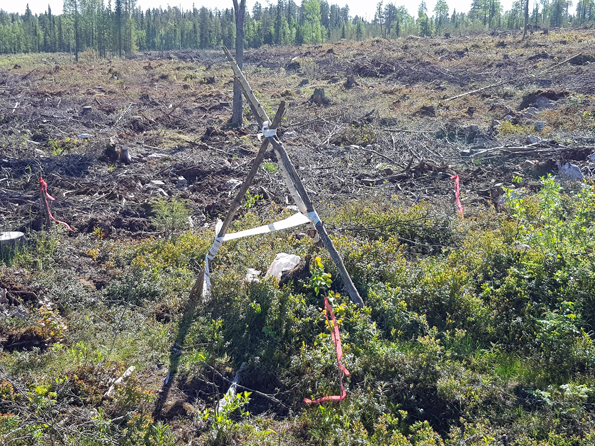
(295, 182)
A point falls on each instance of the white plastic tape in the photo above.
(266, 131)
(313, 217)
(290, 222)
(294, 220)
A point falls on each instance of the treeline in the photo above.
(122, 27)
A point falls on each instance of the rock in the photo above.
(233, 183)
(304, 82)
(157, 183)
(84, 136)
(543, 103)
(531, 111)
(528, 164)
(508, 118)
(473, 128)
(495, 123)
(283, 262)
(289, 134)
(539, 126)
(532, 139)
(571, 172)
(182, 182)
(86, 110)
(252, 275)
(592, 157)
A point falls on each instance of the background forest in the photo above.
(122, 27)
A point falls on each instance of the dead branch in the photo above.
(508, 81)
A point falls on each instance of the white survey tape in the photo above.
(313, 217)
(290, 222)
(266, 131)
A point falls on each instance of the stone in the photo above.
(532, 111)
(543, 103)
(282, 262)
(532, 139)
(571, 172)
(252, 275)
(539, 126)
(233, 183)
(182, 182)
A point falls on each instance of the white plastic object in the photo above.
(283, 262)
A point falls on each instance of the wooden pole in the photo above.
(295, 182)
(237, 202)
(196, 292)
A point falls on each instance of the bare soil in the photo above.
(393, 131)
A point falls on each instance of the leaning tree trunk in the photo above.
(240, 11)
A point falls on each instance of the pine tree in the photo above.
(72, 7)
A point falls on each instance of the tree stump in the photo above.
(10, 243)
(350, 82)
(319, 97)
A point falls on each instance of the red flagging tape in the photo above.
(336, 337)
(458, 194)
(46, 196)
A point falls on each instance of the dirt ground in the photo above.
(398, 118)
(389, 125)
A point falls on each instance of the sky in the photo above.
(363, 8)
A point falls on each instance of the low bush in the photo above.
(485, 332)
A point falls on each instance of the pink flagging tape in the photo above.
(336, 337)
(46, 196)
(458, 194)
